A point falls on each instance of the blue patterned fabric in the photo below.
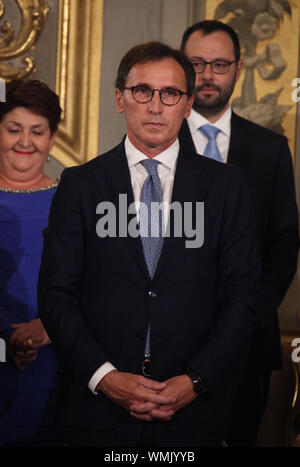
(211, 149)
(150, 219)
(27, 399)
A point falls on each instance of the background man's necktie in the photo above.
(211, 149)
(151, 225)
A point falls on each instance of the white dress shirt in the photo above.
(195, 121)
(138, 174)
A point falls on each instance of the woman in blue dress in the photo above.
(29, 378)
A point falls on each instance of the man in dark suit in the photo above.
(213, 49)
(148, 343)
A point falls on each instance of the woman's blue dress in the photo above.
(28, 399)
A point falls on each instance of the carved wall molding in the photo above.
(268, 33)
(78, 79)
(33, 17)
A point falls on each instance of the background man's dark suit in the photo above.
(265, 159)
(94, 293)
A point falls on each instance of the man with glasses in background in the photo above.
(215, 131)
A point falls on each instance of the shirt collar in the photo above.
(167, 157)
(196, 120)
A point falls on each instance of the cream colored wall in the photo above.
(127, 23)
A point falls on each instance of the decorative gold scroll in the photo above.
(33, 17)
(264, 91)
(78, 79)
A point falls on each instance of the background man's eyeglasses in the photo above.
(144, 94)
(217, 66)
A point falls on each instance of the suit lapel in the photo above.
(190, 184)
(117, 167)
(238, 140)
(185, 138)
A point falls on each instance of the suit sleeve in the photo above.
(280, 252)
(60, 280)
(231, 333)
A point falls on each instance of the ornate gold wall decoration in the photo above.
(33, 17)
(78, 79)
(268, 32)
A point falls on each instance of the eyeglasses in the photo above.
(144, 94)
(220, 67)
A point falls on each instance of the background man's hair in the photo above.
(150, 52)
(208, 27)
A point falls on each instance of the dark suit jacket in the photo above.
(265, 159)
(94, 292)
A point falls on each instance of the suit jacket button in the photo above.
(139, 338)
(152, 294)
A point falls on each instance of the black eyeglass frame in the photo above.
(160, 91)
(211, 63)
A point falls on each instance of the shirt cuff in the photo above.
(99, 374)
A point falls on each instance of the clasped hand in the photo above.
(147, 399)
(25, 342)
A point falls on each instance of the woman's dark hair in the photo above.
(150, 52)
(208, 27)
(36, 97)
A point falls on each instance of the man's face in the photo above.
(152, 127)
(213, 90)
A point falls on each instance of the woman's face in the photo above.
(25, 142)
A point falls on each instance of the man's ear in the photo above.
(52, 140)
(189, 106)
(119, 100)
(239, 67)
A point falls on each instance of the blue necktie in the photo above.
(151, 225)
(151, 216)
(211, 149)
